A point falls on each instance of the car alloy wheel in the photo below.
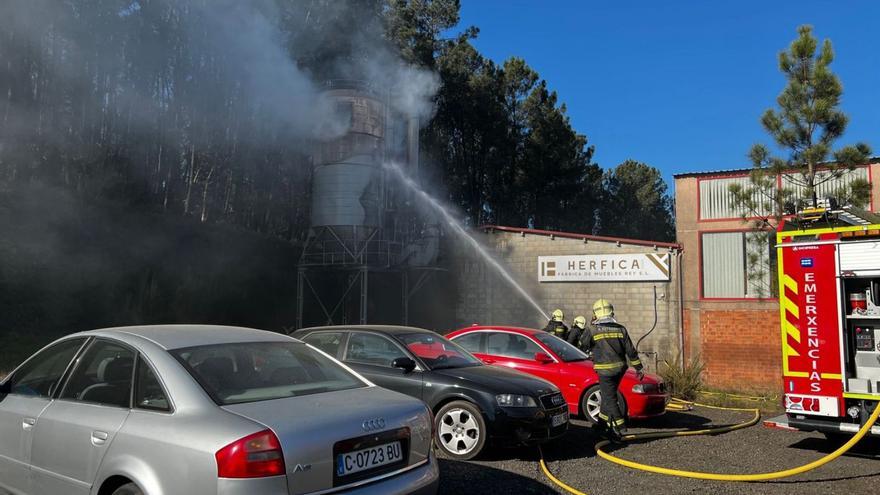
(460, 430)
(591, 404)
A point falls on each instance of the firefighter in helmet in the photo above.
(612, 348)
(555, 326)
(578, 329)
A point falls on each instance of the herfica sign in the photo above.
(636, 267)
(810, 335)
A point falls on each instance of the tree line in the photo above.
(206, 109)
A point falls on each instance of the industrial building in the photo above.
(570, 271)
(730, 304)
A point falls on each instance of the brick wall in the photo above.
(741, 349)
(486, 299)
(687, 335)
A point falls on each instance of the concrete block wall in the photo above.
(485, 298)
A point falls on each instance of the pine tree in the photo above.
(806, 124)
(635, 203)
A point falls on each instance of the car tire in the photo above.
(590, 401)
(128, 489)
(460, 430)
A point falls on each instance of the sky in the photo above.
(680, 85)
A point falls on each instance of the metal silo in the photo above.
(347, 190)
(363, 228)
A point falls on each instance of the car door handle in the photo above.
(27, 424)
(99, 437)
(488, 360)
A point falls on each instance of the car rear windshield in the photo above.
(561, 348)
(257, 371)
(437, 352)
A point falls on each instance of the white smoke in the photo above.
(242, 40)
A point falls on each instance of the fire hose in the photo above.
(714, 431)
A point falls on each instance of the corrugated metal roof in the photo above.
(737, 171)
(730, 171)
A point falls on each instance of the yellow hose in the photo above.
(677, 405)
(708, 431)
(556, 480)
(752, 398)
(734, 477)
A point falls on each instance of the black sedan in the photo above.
(472, 402)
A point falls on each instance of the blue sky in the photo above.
(680, 85)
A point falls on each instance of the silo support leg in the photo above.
(300, 274)
(364, 294)
(404, 285)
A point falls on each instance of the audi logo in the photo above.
(557, 400)
(373, 424)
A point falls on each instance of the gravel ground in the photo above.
(757, 449)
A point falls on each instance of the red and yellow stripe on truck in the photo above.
(809, 306)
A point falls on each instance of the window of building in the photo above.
(716, 202)
(738, 265)
(827, 185)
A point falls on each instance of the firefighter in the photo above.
(556, 326)
(611, 347)
(578, 328)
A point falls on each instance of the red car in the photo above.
(544, 355)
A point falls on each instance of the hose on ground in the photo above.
(752, 398)
(731, 477)
(713, 430)
(554, 479)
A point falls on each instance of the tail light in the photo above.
(254, 456)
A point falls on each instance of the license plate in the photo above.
(361, 460)
(559, 419)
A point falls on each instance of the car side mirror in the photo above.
(404, 363)
(543, 358)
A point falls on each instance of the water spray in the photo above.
(462, 233)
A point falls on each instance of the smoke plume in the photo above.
(229, 63)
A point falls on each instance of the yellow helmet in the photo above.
(602, 308)
(580, 322)
(557, 315)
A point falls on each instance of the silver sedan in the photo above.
(167, 410)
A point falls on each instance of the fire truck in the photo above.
(828, 260)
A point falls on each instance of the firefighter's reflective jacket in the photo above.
(611, 347)
(557, 328)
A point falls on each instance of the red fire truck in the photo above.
(829, 296)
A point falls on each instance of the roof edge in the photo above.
(874, 160)
(588, 237)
